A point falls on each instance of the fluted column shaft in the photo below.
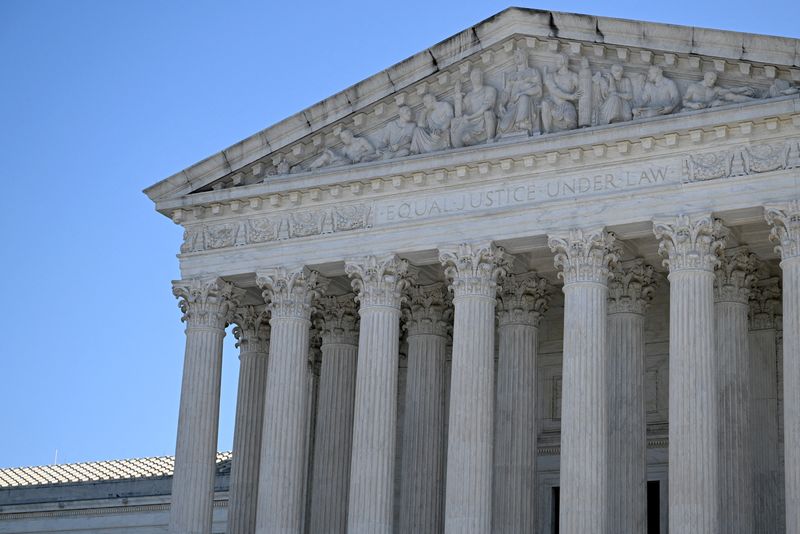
(692, 246)
(584, 257)
(207, 305)
(282, 477)
(252, 333)
(378, 283)
(473, 271)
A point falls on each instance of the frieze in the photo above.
(742, 161)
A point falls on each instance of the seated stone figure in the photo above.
(615, 94)
(660, 95)
(433, 126)
(707, 94)
(354, 150)
(478, 122)
(558, 110)
(396, 136)
(518, 103)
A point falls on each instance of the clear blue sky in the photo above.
(100, 99)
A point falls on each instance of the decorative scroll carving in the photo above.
(631, 287)
(378, 281)
(289, 293)
(690, 243)
(785, 221)
(523, 299)
(473, 269)
(252, 329)
(428, 310)
(735, 275)
(765, 303)
(584, 255)
(742, 161)
(206, 302)
(337, 319)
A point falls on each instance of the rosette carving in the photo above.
(690, 242)
(523, 299)
(428, 310)
(473, 269)
(378, 281)
(785, 221)
(734, 276)
(252, 328)
(290, 293)
(765, 304)
(584, 255)
(631, 287)
(206, 302)
(337, 319)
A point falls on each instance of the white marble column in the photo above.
(427, 319)
(378, 283)
(767, 482)
(629, 292)
(472, 270)
(338, 322)
(785, 221)
(584, 257)
(692, 245)
(289, 294)
(734, 278)
(252, 339)
(207, 305)
(521, 301)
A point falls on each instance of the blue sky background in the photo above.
(99, 99)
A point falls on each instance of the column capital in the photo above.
(765, 304)
(734, 275)
(584, 255)
(252, 328)
(785, 221)
(472, 269)
(428, 310)
(690, 242)
(290, 292)
(337, 319)
(523, 299)
(631, 287)
(378, 280)
(206, 301)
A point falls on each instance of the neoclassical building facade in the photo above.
(541, 277)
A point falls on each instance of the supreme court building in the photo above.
(541, 277)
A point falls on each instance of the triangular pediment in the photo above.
(521, 75)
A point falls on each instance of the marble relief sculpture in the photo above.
(707, 94)
(615, 93)
(354, 150)
(433, 126)
(660, 95)
(558, 108)
(474, 121)
(396, 137)
(522, 90)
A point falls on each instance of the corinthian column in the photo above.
(422, 481)
(338, 322)
(252, 339)
(281, 482)
(472, 270)
(379, 283)
(584, 257)
(629, 293)
(691, 245)
(785, 221)
(521, 301)
(207, 305)
(767, 482)
(734, 277)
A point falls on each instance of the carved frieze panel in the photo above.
(742, 161)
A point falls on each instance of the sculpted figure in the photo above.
(660, 95)
(433, 126)
(396, 136)
(781, 88)
(477, 122)
(707, 94)
(522, 90)
(558, 110)
(354, 150)
(616, 94)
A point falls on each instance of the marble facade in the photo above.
(547, 261)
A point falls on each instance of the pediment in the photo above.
(521, 75)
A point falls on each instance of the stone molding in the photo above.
(206, 302)
(584, 255)
(734, 276)
(428, 310)
(631, 287)
(785, 221)
(290, 292)
(690, 242)
(378, 281)
(252, 329)
(337, 319)
(523, 299)
(765, 303)
(472, 269)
